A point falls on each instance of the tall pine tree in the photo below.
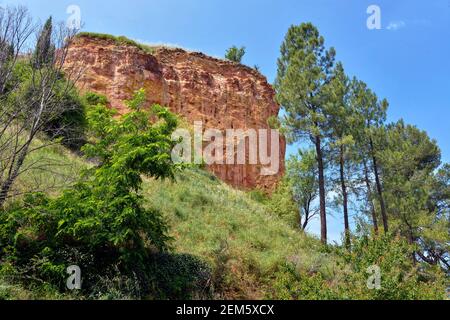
(304, 70)
(341, 124)
(372, 115)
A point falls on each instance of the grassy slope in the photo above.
(237, 236)
(243, 242)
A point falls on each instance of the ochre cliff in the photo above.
(222, 94)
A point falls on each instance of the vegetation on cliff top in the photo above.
(118, 40)
(232, 56)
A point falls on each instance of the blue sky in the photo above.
(407, 61)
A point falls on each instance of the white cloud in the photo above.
(396, 25)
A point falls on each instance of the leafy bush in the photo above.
(282, 203)
(95, 99)
(293, 284)
(101, 221)
(400, 278)
(70, 125)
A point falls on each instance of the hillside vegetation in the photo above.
(242, 242)
(84, 190)
(241, 248)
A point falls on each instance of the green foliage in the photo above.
(400, 279)
(44, 52)
(235, 54)
(94, 99)
(68, 122)
(304, 68)
(180, 276)
(282, 203)
(301, 172)
(70, 125)
(133, 146)
(292, 284)
(101, 220)
(409, 160)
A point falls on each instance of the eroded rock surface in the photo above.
(221, 94)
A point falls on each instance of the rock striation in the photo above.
(221, 94)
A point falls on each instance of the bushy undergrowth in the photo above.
(378, 268)
(100, 223)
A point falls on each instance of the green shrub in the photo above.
(282, 203)
(292, 284)
(94, 99)
(235, 54)
(400, 278)
(100, 221)
(71, 124)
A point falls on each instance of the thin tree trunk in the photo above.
(323, 214)
(369, 197)
(344, 196)
(307, 211)
(379, 188)
(14, 172)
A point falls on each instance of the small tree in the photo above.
(235, 54)
(16, 27)
(103, 213)
(28, 107)
(302, 174)
(45, 49)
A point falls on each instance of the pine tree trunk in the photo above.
(379, 188)
(323, 214)
(369, 197)
(344, 196)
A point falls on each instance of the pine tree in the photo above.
(235, 54)
(304, 69)
(45, 50)
(341, 122)
(408, 161)
(372, 115)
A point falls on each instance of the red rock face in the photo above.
(221, 94)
